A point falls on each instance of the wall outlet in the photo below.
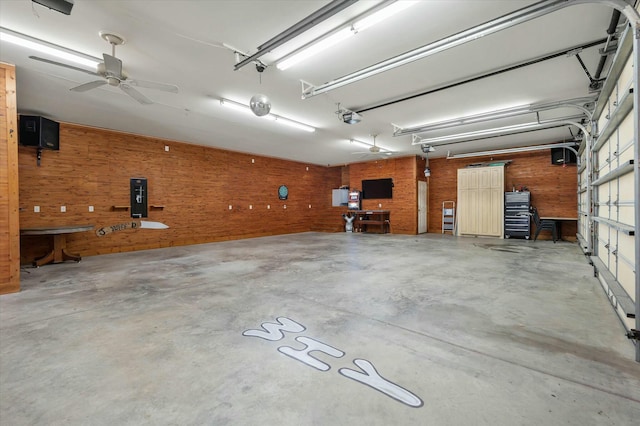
(284, 207)
(91, 208)
(166, 148)
(250, 207)
(309, 205)
(379, 205)
(230, 206)
(63, 209)
(268, 206)
(36, 209)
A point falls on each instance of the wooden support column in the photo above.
(9, 216)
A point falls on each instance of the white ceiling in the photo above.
(180, 42)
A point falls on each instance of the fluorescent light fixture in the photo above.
(519, 16)
(382, 14)
(237, 106)
(515, 111)
(298, 28)
(496, 131)
(363, 144)
(352, 29)
(316, 48)
(9, 36)
(369, 145)
(512, 150)
(294, 124)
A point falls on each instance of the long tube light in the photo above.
(360, 25)
(511, 150)
(495, 115)
(369, 145)
(309, 22)
(506, 21)
(273, 117)
(497, 131)
(10, 36)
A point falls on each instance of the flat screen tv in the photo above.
(377, 188)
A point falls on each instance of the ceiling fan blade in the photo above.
(113, 66)
(153, 85)
(60, 64)
(88, 86)
(135, 94)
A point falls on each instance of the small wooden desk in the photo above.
(372, 221)
(59, 253)
(558, 221)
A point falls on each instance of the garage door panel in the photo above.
(626, 78)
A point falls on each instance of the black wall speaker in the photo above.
(62, 6)
(39, 132)
(560, 156)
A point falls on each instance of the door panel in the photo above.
(422, 207)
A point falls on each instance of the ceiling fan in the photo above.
(373, 149)
(112, 74)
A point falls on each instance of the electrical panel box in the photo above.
(339, 197)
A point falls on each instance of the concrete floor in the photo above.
(461, 331)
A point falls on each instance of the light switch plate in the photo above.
(36, 209)
(63, 209)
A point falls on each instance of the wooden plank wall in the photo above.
(195, 184)
(553, 187)
(404, 204)
(9, 216)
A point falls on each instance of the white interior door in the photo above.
(422, 207)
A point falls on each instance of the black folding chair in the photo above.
(544, 225)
